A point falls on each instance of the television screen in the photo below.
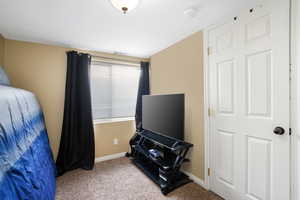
(164, 114)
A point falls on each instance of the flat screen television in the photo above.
(164, 114)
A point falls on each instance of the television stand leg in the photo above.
(127, 154)
(165, 191)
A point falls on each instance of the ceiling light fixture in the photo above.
(125, 5)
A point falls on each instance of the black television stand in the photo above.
(165, 169)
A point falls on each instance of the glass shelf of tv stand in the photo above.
(170, 143)
(165, 164)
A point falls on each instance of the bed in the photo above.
(27, 169)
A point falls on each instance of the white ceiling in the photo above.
(96, 25)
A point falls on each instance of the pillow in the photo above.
(3, 77)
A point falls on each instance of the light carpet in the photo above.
(119, 179)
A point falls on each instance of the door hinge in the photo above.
(209, 51)
(290, 131)
(209, 112)
(208, 171)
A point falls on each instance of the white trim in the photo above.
(206, 107)
(295, 97)
(113, 120)
(110, 157)
(197, 180)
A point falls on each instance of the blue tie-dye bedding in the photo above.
(27, 169)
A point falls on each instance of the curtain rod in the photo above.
(116, 59)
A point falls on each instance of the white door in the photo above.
(249, 98)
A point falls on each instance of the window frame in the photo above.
(113, 119)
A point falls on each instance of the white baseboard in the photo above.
(196, 180)
(110, 157)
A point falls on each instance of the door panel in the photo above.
(226, 87)
(226, 162)
(258, 75)
(249, 93)
(258, 168)
(224, 41)
(258, 28)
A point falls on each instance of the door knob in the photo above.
(279, 130)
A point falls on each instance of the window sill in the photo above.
(113, 120)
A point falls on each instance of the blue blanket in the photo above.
(27, 169)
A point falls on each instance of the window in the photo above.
(114, 90)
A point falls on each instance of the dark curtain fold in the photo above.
(77, 145)
(144, 89)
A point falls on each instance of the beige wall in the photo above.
(42, 70)
(2, 47)
(179, 69)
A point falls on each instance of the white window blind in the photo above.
(114, 90)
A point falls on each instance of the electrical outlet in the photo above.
(116, 141)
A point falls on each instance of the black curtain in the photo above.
(144, 89)
(77, 145)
